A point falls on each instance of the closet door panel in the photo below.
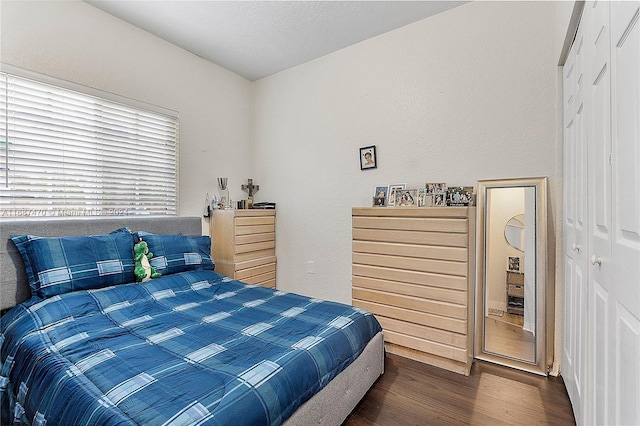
(580, 150)
(579, 343)
(580, 260)
(625, 250)
(600, 148)
(599, 356)
(626, 150)
(627, 409)
(575, 202)
(599, 94)
(569, 146)
(598, 101)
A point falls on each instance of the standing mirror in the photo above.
(511, 326)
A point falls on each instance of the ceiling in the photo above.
(255, 39)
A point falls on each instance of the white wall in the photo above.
(74, 41)
(468, 94)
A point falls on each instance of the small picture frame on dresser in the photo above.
(424, 199)
(406, 197)
(394, 188)
(397, 186)
(439, 200)
(459, 196)
(380, 191)
(435, 187)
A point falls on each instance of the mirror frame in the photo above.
(540, 364)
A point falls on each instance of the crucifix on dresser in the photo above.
(250, 189)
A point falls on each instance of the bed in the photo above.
(190, 347)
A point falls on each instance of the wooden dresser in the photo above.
(414, 269)
(243, 245)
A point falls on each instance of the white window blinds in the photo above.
(65, 153)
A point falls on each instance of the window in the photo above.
(67, 153)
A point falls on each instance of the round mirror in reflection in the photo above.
(514, 232)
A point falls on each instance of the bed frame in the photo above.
(329, 407)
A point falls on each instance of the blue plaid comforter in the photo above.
(185, 349)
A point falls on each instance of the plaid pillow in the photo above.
(178, 253)
(57, 265)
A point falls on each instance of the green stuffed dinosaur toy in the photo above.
(143, 269)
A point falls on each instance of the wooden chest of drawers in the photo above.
(414, 269)
(243, 245)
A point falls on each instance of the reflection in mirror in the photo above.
(510, 323)
(514, 232)
(510, 327)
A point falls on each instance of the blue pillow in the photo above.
(179, 253)
(57, 265)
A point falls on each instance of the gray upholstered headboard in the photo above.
(13, 281)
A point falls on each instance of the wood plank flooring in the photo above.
(413, 393)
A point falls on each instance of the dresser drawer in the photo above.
(243, 274)
(516, 290)
(242, 222)
(255, 238)
(252, 247)
(267, 280)
(252, 263)
(515, 278)
(255, 254)
(262, 281)
(255, 229)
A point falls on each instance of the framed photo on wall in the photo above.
(368, 158)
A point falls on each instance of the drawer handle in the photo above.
(596, 260)
(576, 247)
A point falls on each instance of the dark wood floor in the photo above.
(412, 393)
